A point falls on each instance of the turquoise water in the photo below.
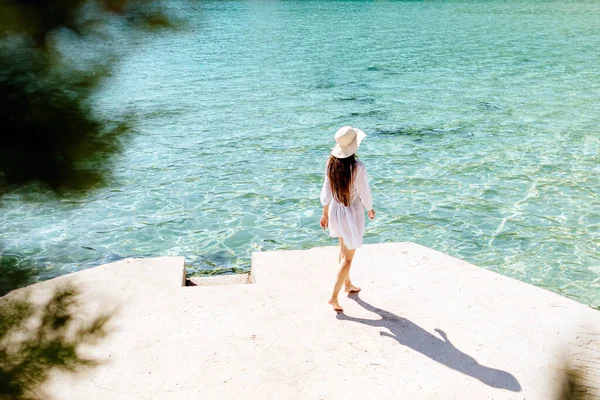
(484, 136)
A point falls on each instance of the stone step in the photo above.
(425, 325)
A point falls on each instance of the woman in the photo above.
(345, 191)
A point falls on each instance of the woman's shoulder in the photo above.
(360, 165)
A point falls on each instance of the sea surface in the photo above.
(483, 123)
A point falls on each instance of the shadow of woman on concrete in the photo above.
(439, 349)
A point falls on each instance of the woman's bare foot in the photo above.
(336, 305)
(351, 288)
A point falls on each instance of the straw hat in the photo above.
(347, 140)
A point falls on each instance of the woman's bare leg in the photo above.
(346, 257)
(348, 286)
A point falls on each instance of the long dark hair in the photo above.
(340, 172)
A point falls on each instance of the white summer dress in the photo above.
(349, 222)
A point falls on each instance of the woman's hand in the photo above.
(324, 221)
(371, 214)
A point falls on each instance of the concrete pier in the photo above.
(425, 326)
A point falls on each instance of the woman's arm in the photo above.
(325, 217)
(364, 191)
(326, 197)
(326, 194)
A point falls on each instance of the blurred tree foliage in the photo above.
(50, 133)
(580, 382)
(38, 339)
(52, 138)
(13, 275)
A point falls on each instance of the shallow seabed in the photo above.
(483, 120)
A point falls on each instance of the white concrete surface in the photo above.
(425, 326)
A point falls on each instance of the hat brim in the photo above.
(346, 151)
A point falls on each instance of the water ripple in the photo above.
(483, 143)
